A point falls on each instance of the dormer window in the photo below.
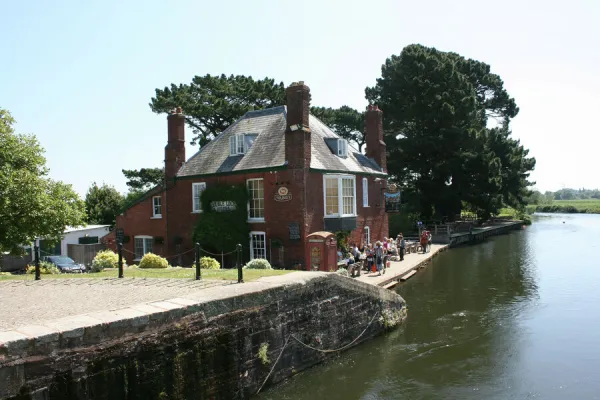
(241, 143)
(236, 145)
(338, 146)
(342, 148)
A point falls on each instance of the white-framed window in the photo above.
(142, 245)
(367, 235)
(156, 207)
(197, 189)
(339, 192)
(342, 149)
(365, 189)
(258, 245)
(236, 145)
(256, 200)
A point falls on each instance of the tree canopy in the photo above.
(144, 179)
(212, 103)
(102, 204)
(31, 204)
(345, 121)
(447, 123)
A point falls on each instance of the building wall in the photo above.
(179, 220)
(373, 216)
(73, 237)
(278, 215)
(138, 221)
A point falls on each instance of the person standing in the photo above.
(379, 253)
(401, 246)
(424, 240)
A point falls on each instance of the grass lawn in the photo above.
(590, 206)
(178, 273)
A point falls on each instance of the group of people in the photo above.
(378, 254)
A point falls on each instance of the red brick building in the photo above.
(301, 178)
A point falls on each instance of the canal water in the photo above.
(515, 317)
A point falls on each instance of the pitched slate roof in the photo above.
(268, 150)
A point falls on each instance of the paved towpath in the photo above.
(33, 302)
(399, 268)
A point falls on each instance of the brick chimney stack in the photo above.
(175, 148)
(374, 136)
(297, 133)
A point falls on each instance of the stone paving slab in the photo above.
(399, 268)
(34, 302)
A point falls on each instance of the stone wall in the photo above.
(203, 346)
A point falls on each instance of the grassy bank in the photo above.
(516, 214)
(176, 273)
(591, 206)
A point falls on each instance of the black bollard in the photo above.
(239, 264)
(120, 250)
(198, 274)
(37, 263)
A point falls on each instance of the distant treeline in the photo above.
(568, 201)
(548, 197)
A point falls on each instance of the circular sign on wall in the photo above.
(283, 194)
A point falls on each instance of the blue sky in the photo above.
(80, 75)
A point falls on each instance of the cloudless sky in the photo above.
(80, 74)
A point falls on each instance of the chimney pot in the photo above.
(178, 110)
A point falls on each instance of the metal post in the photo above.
(198, 274)
(36, 249)
(120, 250)
(239, 264)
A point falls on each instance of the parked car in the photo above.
(65, 264)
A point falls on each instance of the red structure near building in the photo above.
(301, 178)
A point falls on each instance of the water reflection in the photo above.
(485, 321)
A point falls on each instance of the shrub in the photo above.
(46, 268)
(209, 263)
(258, 263)
(263, 354)
(151, 260)
(342, 271)
(105, 259)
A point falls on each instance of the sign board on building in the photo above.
(222, 206)
(283, 194)
(392, 199)
(294, 231)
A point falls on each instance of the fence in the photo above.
(13, 263)
(84, 253)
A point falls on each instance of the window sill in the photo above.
(365, 206)
(197, 212)
(156, 217)
(256, 221)
(341, 216)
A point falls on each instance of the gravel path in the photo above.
(32, 302)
